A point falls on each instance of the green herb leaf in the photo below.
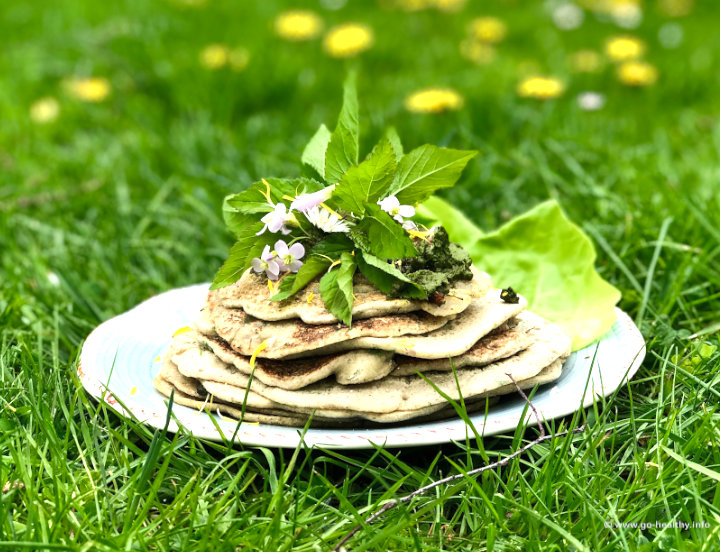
(336, 289)
(314, 153)
(378, 233)
(392, 136)
(551, 262)
(292, 283)
(253, 199)
(367, 181)
(426, 169)
(247, 247)
(343, 148)
(387, 278)
(332, 245)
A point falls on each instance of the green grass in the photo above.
(121, 200)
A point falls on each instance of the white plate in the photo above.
(121, 356)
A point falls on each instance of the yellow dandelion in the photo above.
(540, 88)
(214, 56)
(676, 8)
(487, 29)
(450, 6)
(238, 59)
(585, 61)
(624, 48)
(298, 25)
(477, 52)
(348, 40)
(434, 100)
(45, 110)
(92, 89)
(637, 73)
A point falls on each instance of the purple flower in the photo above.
(391, 205)
(275, 220)
(307, 201)
(289, 257)
(267, 263)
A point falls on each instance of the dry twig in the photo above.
(544, 436)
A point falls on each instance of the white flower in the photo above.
(307, 201)
(409, 225)
(275, 220)
(591, 101)
(289, 257)
(266, 263)
(326, 220)
(568, 17)
(391, 205)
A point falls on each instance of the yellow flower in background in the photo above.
(91, 89)
(434, 100)
(450, 5)
(624, 48)
(586, 61)
(487, 29)
(348, 40)
(637, 73)
(238, 59)
(540, 88)
(477, 52)
(45, 110)
(298, 25)
(214, 56)
(413, 5)
(676, 8)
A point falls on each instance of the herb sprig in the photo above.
(355, 215)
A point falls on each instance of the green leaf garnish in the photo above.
(255, 199)
(367, 181)
(392, 136)
(382, 236)
(314, 153)
(247, 246)
(427, 169)
(343, 148)
(387, 278)
(292, 283)
(336, 289)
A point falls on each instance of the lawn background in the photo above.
(119, 200)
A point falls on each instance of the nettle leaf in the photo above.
(367, 181)
(426, 169)
(388, 278)
(333, 245)
(292, 283)
(247, 247)
(378, 233)
(314, 153)
(253, 199)
(336, 289)
(392, 136)
(343, 148)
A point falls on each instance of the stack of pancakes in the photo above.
(289, 361)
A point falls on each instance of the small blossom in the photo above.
(238, 59)
(289, 257)
(637, 73)
(391, 205)
(624, 48)
(410, 226)
(586, 61)
(348, 40)
(540, 88)
(275, 220)
(477, 51)
(307, 201)
(326, 220)
(298, 25)
(487, 29)
(433, 100)
(626, 14)
(45, 110)
(568, 17)
(94, 89)
(591, 101)
(266, 263)
(214, 56)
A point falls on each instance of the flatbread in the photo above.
(351, 367)
(397, 393)
(503, 342)
(293, 338)
(252, 294)
(450, 340)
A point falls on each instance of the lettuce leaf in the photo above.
(544, 257)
